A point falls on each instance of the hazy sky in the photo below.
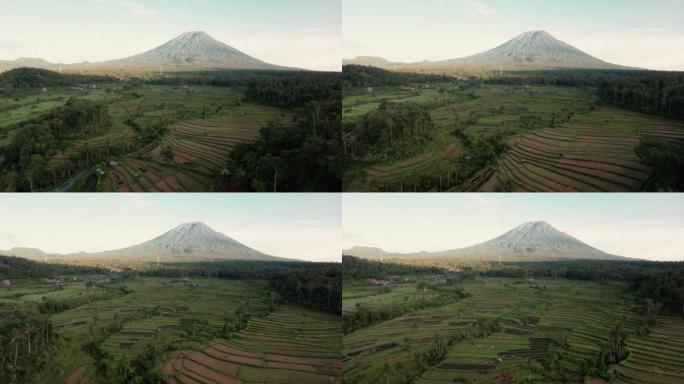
(646, 226)
(299, 226)
(641, 33)
(298, 33)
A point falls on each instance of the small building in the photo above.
(5, 283)
(378, 282)
(44, 89)
(370, 90)
(52, 281)
(112, 164)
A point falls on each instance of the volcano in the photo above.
(187, 242)
(534, 50)
(190, 50)
(536, 240)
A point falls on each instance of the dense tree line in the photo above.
(12, 267)
(364, 76)
(652, 92)
(24, 79)
(303, 157)
(317, 285)
(666, 160)
(26, 337)
(25, 159)
(390, 130)
(357, 268)
(660, 93)
(660, 282)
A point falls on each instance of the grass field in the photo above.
(558, 140)
(546, 328)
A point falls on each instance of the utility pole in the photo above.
(275, 181)
(501, 70)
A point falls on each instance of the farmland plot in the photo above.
(591, 153)
(572, 320)
(290, 345)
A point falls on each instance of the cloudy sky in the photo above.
(297, 33)
(646, 226)
(641, 33)
(298, 226)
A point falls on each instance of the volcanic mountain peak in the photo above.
(187, 242)
(535, 240)
(532, 50)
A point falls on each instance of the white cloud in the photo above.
(138, 199)
(133, 7)
(480, 199)
(477, 6)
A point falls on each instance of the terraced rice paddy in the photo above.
(289, 346)
(160, 310)
(570, 320)
(657, 358)
(559, 142)
(203, 125)
(376, 296)
(592, 152)
(481, 110)
(199, 150)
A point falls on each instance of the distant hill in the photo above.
(6, 65)
(535, 50)
(186, 242)
(536, 240)
(369, 61)
(365, 252)
(13, 267)
(190, 51)
(362, 75)
(31, 78)
(28, 253)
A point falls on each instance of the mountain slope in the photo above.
(369, 61)
(534, 50)
(189, 51)
(186, 242)
(530, 241)
(6, 65)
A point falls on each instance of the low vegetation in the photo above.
(581, 130)
(559, 321)
(251, 321)
(228, 131)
